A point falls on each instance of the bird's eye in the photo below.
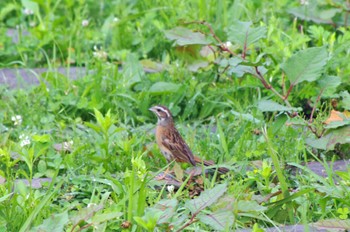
(158, 110)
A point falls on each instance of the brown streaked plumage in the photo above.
(170, 142)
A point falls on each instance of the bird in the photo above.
(170, 142)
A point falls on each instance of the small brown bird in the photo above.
(170, 142)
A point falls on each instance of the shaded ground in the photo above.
(22, 77)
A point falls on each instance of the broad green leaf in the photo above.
(271, 106)
(314, 13)
(247, 117)
(164, 87)
(86, 213)
(184, 36)
(168, 209)
(248, 206)
(306, 65)
(100, 218)
(54, 223)
(329, 84)
(207, 198)
(345, 102)
(243, 34)
(331, 138)
(31, 5)
(219, 220)
(149, 219)
(132, 70)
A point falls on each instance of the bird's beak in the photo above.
(152, 109)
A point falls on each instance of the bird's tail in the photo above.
(221, 170)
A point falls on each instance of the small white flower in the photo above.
(304, 2)
(170, 188)
(27, 11)
(68, 145)
(32, 24)
(17, 120)
(228, 44)
(85, 23)
(24, 140)
(101, 55)
(115, 19)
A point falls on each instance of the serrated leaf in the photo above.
(184, 36)
(164, 87)
(306, 65)
(271, 106)
(219, 220)
(207, 198)
(243, 34)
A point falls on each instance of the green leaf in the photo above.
(329, 84)
(345, 102)
(332, 137)
(271, 106)
(41, 138)
(168, 209)
(246, 117)
(305, 65)
(219, 220)
(248, 206)
(54, 223)
(245, 35)
(164, 87)
(31, 6)
(184, 36)
(132, 70)
(207, 198)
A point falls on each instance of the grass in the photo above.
(94, 136)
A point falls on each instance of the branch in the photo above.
(315, 104)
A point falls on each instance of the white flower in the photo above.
(27, 11)
(32, 24)
(68, 145)
(170, 188)
(304, 2)
(115, 19)
(85, 23)
(24, 140)
(100, 55)
(17, 120)
(228, 44)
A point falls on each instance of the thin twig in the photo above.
(315, 104)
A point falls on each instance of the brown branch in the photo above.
(223, 47)
(192, 220)
(315, 104)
